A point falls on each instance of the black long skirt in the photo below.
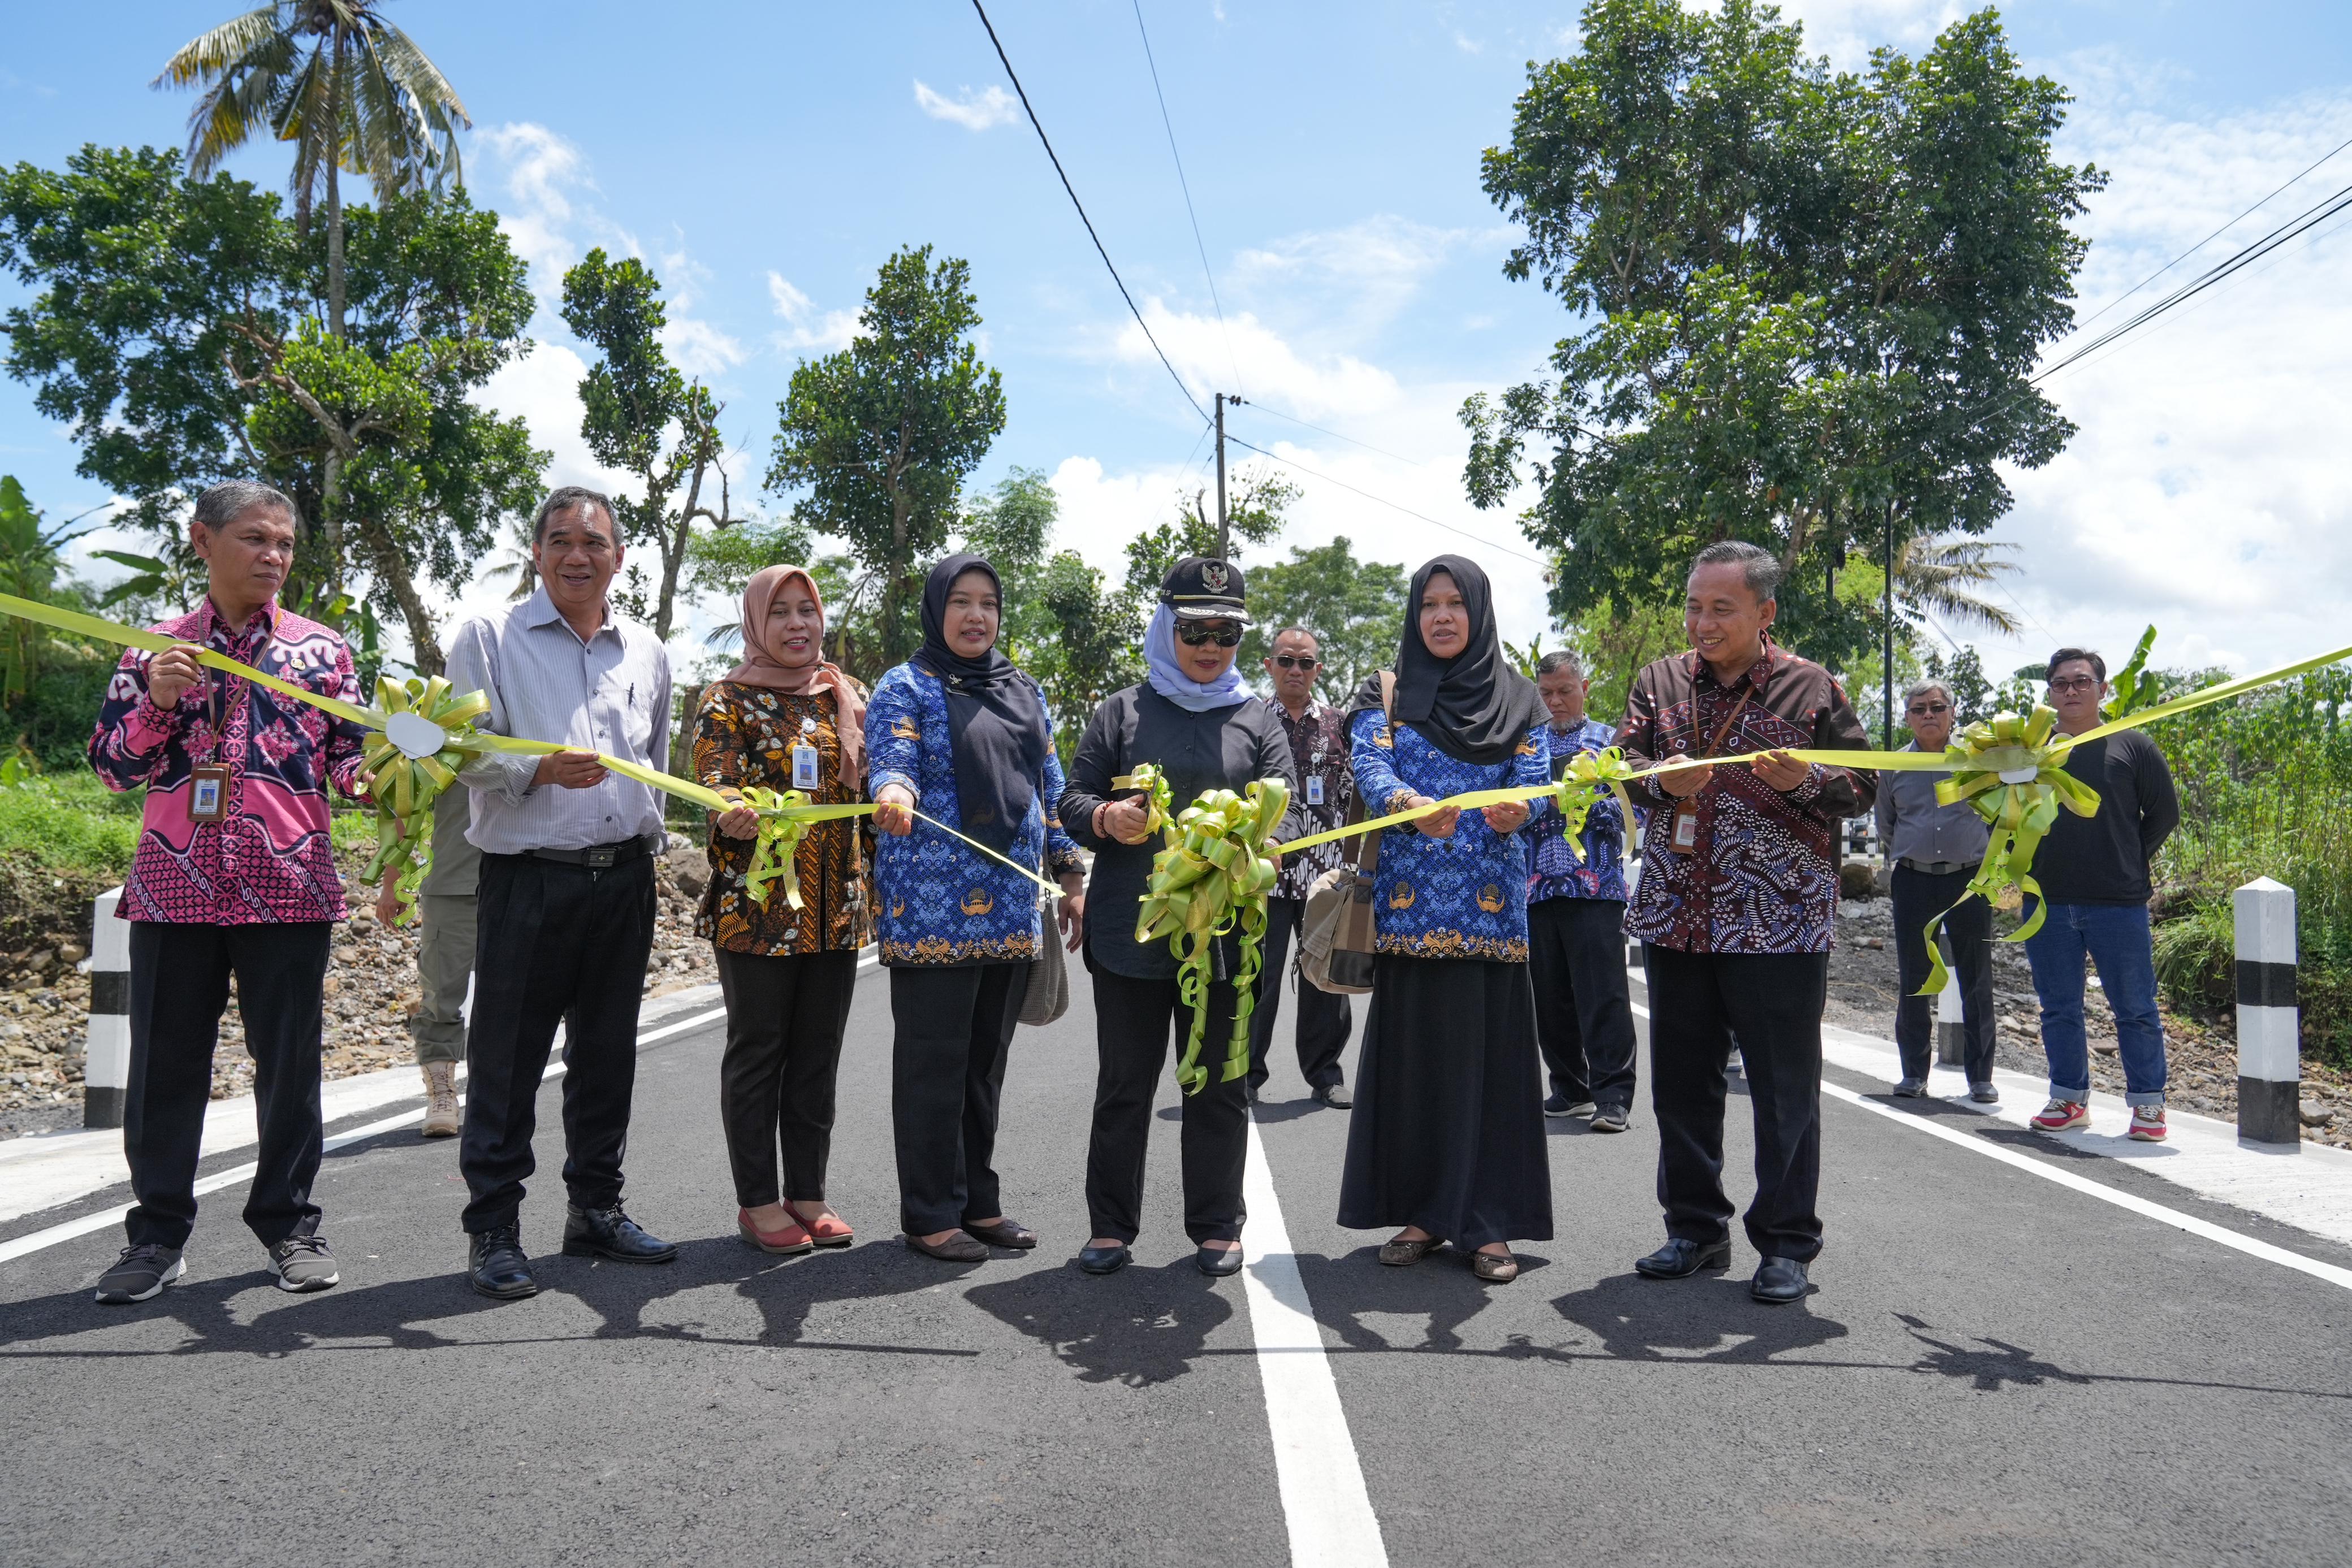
(1447, 1133)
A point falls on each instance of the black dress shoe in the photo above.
(1679, 1259)
(1779, 1281)
(1217, 1262)
(609, 1234)
(1105, 1259)
(958, 1247)
(496, 1267)
(1335, 1095)
(1004, 1233)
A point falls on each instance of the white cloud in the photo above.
(804, 328)
(1350, 281)
(700, 349)
(1847, 30)
(975, 110)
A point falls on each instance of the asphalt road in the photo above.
(1993, 1370)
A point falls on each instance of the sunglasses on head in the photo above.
(1198, 634)
(1296, 661)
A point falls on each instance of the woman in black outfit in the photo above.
(1197, 723)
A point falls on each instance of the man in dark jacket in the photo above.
(2094, 872)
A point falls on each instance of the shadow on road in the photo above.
(1138, 1326)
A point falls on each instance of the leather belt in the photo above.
(598, 857)
(1938, 868)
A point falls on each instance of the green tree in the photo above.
(30, 568)
(1614, 642)
(1809, 300)
(1356, 609)
(179, 330)
(882, 435)
(633, 403)
(1257, 507)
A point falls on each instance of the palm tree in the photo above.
(352, 91)
(1937, 572)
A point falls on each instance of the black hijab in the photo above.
(1474, 707)
(996, 725)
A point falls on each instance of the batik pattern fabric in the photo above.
(272, 859)
(743, 736)
(1464, 896)
(1763, 875)
(1557, 872)
(1319, 749)
(940, 900)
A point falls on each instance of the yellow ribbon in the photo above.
(405, 786)
(1213, 877)
(1147, 778)
(1579, 788)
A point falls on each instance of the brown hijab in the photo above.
(762, 668)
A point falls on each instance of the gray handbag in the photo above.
(1048, 994)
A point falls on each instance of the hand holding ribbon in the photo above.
(1213, 877)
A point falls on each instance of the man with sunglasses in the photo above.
(1935, 849)
(2094, 872)
(1322, 784)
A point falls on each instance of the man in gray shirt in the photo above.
(1935, 849)
(566, 898)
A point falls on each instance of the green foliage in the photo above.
(1973, 699)
(1808, 300)
(719, 563)
(1613, 643)
(632, 400)
(881, 434)
(69, 823)
(2136, 685)
(1256, 500)
(1062, 622)
(1356, 609)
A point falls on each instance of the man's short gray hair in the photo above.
(568, 496)
(1918, 689)
(224, 503)
(1560, 659)
(1757, 565)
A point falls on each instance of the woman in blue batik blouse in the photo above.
(959, 733)
(1447, 1139)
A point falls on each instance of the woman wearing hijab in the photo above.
(1447, 1138)
(784, 718)
(1198, 724)
(961, 735)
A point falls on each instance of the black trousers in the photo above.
(1135, 1023)
(556, 944)
(954, 1029)
(1772, 1001)
(785, 1017)
(1919, 897)
(1324, 1017)
(1584, 1010)
(179, 988)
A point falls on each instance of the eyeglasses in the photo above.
(2074, 683)
(1296, 661)
(1196, 633)
(1928, 710)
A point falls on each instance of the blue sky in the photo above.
(766, 158)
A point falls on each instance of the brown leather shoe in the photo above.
(1495, 1267)
(1402, 1254)
(440, 1099)
(1004, 1233)
(957, 1247)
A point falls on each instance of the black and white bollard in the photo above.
(106, 1059)
(1951, 1049)
(2270, 1070)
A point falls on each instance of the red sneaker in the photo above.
(2147, 1124)
(792, 1238)
(2066, 1116)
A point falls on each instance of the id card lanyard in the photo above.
(1683, 839)
(805, 759)
(208, 781)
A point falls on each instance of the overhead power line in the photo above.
(1046, 143)
(1383, 500)
(1186, 186)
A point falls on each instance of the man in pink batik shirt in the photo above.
(235, 878)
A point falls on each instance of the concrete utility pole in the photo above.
(1224, 527)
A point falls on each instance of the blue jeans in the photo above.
(2115, 938)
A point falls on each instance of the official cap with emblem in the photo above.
(1199, 588)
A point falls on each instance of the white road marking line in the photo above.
(1324, 1503)
(2100, 1191)
(67, 1230)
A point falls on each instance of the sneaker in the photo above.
(1911, 1089)
(2063, 1116)
(302, 1263)
(1611, 1119)
(1984, 1093)
(140, 1274)
(2147, 1124)
(1556, 1105)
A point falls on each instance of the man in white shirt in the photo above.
(566, 897)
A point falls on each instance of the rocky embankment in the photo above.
(371, 992)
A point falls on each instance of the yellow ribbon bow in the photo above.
(2014, 774)
(407, 779)
(1213, 877)
(1147, 778)
(1579, 788)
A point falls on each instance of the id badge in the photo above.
(1684, 840)
(805, 766)
(1315, 789)
(208, 793)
